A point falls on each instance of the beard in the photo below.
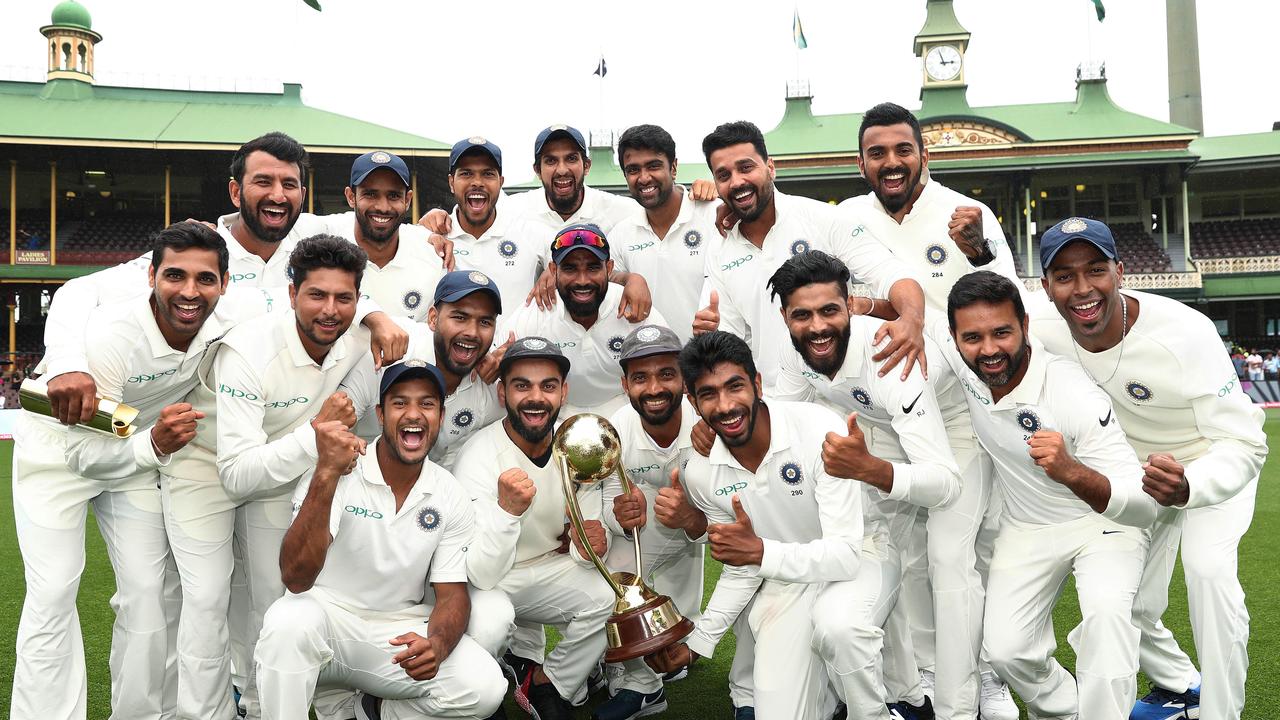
(586, 309)
(374, 235)
(1012, 365)
(764, 199)
(389, 437)
(673, 406)
(567, 205)
(270, 235)
(531, 434)
(828, 365)
(446, 362)
(309, 331)
(751, 426)
(664, 194)
(895, 203)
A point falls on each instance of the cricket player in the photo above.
(370, 529)
(1175, 393)
(1073, 503)
(771, 227)
(588, 325)
(781, 525)
(520, 521)
(667, 243)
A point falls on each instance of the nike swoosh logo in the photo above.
(1106, 420)
(907, 408)
(1110, 532)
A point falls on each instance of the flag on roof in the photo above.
(797, 32)
(1102, 12)
(601, 69)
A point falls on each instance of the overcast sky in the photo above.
(446, 70)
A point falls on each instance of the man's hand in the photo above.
(421, 657)
(388, 341)
(724, 219)
(965, 230)
(703, 190)
(437, 221)
(703, 438)
(1165, 480)
(73, 397)
(336, 407)
(629, 509)
(708, 318)
(487, 368)
(673, 509)
(736, 543)
(175, 428)
(336, 447)
(846, 456)
(544, 290)
(671, 658)
(515, 491)
(444, 249)
(1049, 451)
(636, 300)
(597, 536)
(906, 343)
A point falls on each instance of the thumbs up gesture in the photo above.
(846, 456)
(708, 318)
(736, 543)
(672, 509)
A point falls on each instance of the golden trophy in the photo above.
(112, 417)
(587, 450)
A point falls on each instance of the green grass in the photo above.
(704, 694)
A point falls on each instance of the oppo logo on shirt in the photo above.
(237, 277)
(145, 377)
(236, 392)
(973, 392)
(641, 246)
(363, 512)
(287, 403)
(461, 252)
(809, 374)
(735, 264)
(731, 489)
(857, 231)
(642, 470)
(567, 344)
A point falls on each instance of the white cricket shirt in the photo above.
(648, 465)
(539, 223)
(247, 268)
(511, 262)
(407, 284)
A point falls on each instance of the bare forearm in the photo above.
(450, 615)
(878, 474)
(879, 308)
(618, 277)
(907, 298)
(1089, 485)
(306, 543)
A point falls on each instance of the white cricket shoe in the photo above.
(996, 703)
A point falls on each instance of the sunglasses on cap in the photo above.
(580, 237)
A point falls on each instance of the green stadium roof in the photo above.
(1229, 150)
(607, 175)
(71, 112)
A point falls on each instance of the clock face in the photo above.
(942, 63)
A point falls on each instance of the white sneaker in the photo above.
(926, 683)
(996, 703)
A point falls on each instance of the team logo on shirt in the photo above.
(507, 249)
(1029, 421)
(791, 474)
(412, 300)
(463, 418)
(615, 344)
(1138, 391)
(429, 519)
(862, 396)
(692, 239)
(936, 254)
(799, 246)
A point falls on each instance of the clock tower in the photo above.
(941, 45)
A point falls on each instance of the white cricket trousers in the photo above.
(790, 677)
(310, 642)
(848, 618)
(50, 506)
(1210, 540)
(555, 589)
(1028, 569)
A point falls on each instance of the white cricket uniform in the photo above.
(595, 378)
(538, 223)
(405, 286)
(58, 472)
(1175, 391)
(511, 262)
(812, 528)
(672, 265)
(1047, 532)
(518, 555)
(739, 271)
(335, 636)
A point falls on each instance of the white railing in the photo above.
(1230, 266)
(1143, 281)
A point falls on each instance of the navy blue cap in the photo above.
(583, 242)
(536, 348)
(555, 132)
(475, 141)
(1094, 232)
(409, 370)
(458, 284)
(371, 161)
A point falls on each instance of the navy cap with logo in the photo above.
(458, 284)
(462, 147)
(587, 236)
(648, 340)
(555, 132)
(371, 161)
(533, 348)
(1094, 232)
(410, 370)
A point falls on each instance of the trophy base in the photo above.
(645, 629)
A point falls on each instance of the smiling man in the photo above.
(1175, 394)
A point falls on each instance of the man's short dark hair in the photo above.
(808, 268)
(983, 286)
(647, 137)
(277, 145)
(701, 354)
(322, 251)
(185, 236)
(889, 114)
(734, 133)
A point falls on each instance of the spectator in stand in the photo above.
(1253, 364)
(1271, 366)
(1238, 360)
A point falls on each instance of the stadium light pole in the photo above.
(13, 211)
(53, 212)
(167, 170)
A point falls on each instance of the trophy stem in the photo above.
(575, 519)
(627, 487)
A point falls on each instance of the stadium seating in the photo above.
(1139, 251)
(1250, 237)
